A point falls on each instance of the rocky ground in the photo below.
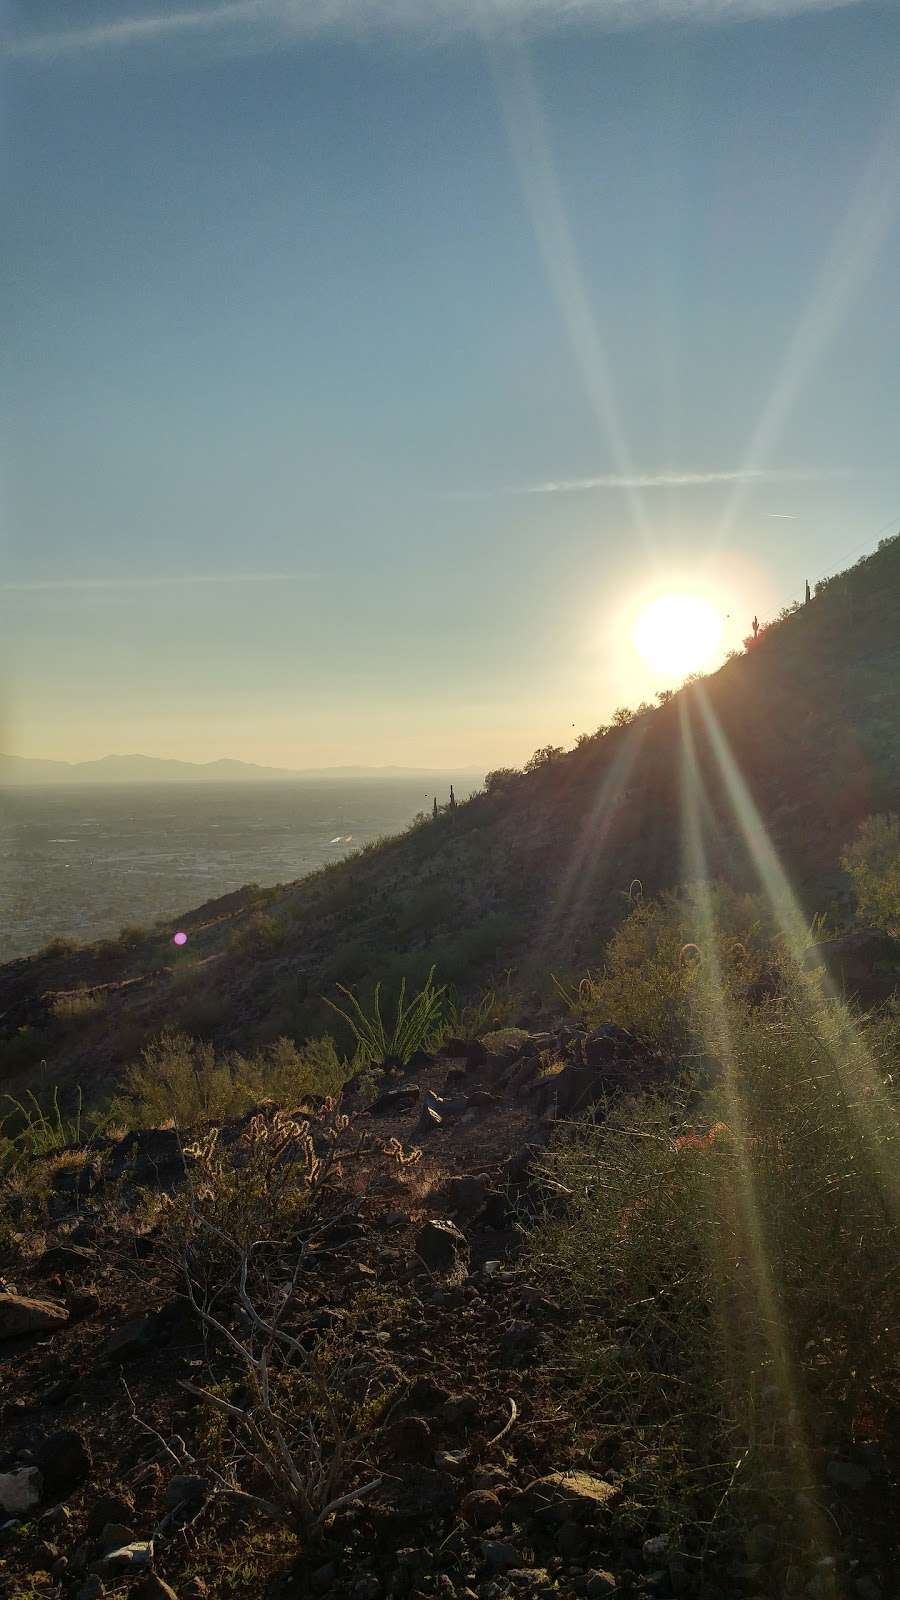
(113, 1477)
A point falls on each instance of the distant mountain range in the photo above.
(18, 771)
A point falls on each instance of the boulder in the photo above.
(65, 1460)
(19, 1314)
(147, 1155)
(863, 964)
(441, 1245)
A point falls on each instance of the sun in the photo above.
(678, 633)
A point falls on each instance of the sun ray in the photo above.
(828, 1017)
(530, 146)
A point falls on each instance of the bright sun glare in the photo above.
(678, 633)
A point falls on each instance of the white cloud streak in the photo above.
(663, 480)
(271, 21)
(173, 581)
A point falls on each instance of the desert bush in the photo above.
(57, 947)
(873, 862)
(182, 1080)
(544, 757)
(292, 1432)
(415, 1022)
(731, 1276)
(77, 1004)
(649, 981)
(178, 1079)
(259, 936)
(498, 780)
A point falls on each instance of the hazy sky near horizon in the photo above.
(367, 364)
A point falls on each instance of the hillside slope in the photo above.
(800, 736)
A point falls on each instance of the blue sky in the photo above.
(367, 365)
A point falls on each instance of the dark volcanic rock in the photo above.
(65, 1461)
(68, 1258)
(147, 1155)
(441, 1245)
(393, 1102)
(134, 1338)
(471, 1051)
(608, 1044)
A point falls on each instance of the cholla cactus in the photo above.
(404, 1158)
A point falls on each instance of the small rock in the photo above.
(847, 1475)
(82, 1306)
(132, 1339)
(138, 1553)
(92, 1588)
(108, 1508)
(114, 1536)
(655, 1547)
(368, 1587)
(867, 1588)
(460, 1408)
(409, 1439)
(600, 1583)
(20, 1315)
(186, 1488)
(20, 1491)
(153, 1587)
(65, 1460)
(480, 1508)
(324, 1577)
(499, 1555)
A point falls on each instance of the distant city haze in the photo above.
(17, 771)
(86, 861)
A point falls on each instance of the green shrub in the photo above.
(30, 1130)
(415, 1023)
(649, 983)
(873, 862)
(181, 1080)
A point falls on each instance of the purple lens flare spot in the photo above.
(179, 938)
